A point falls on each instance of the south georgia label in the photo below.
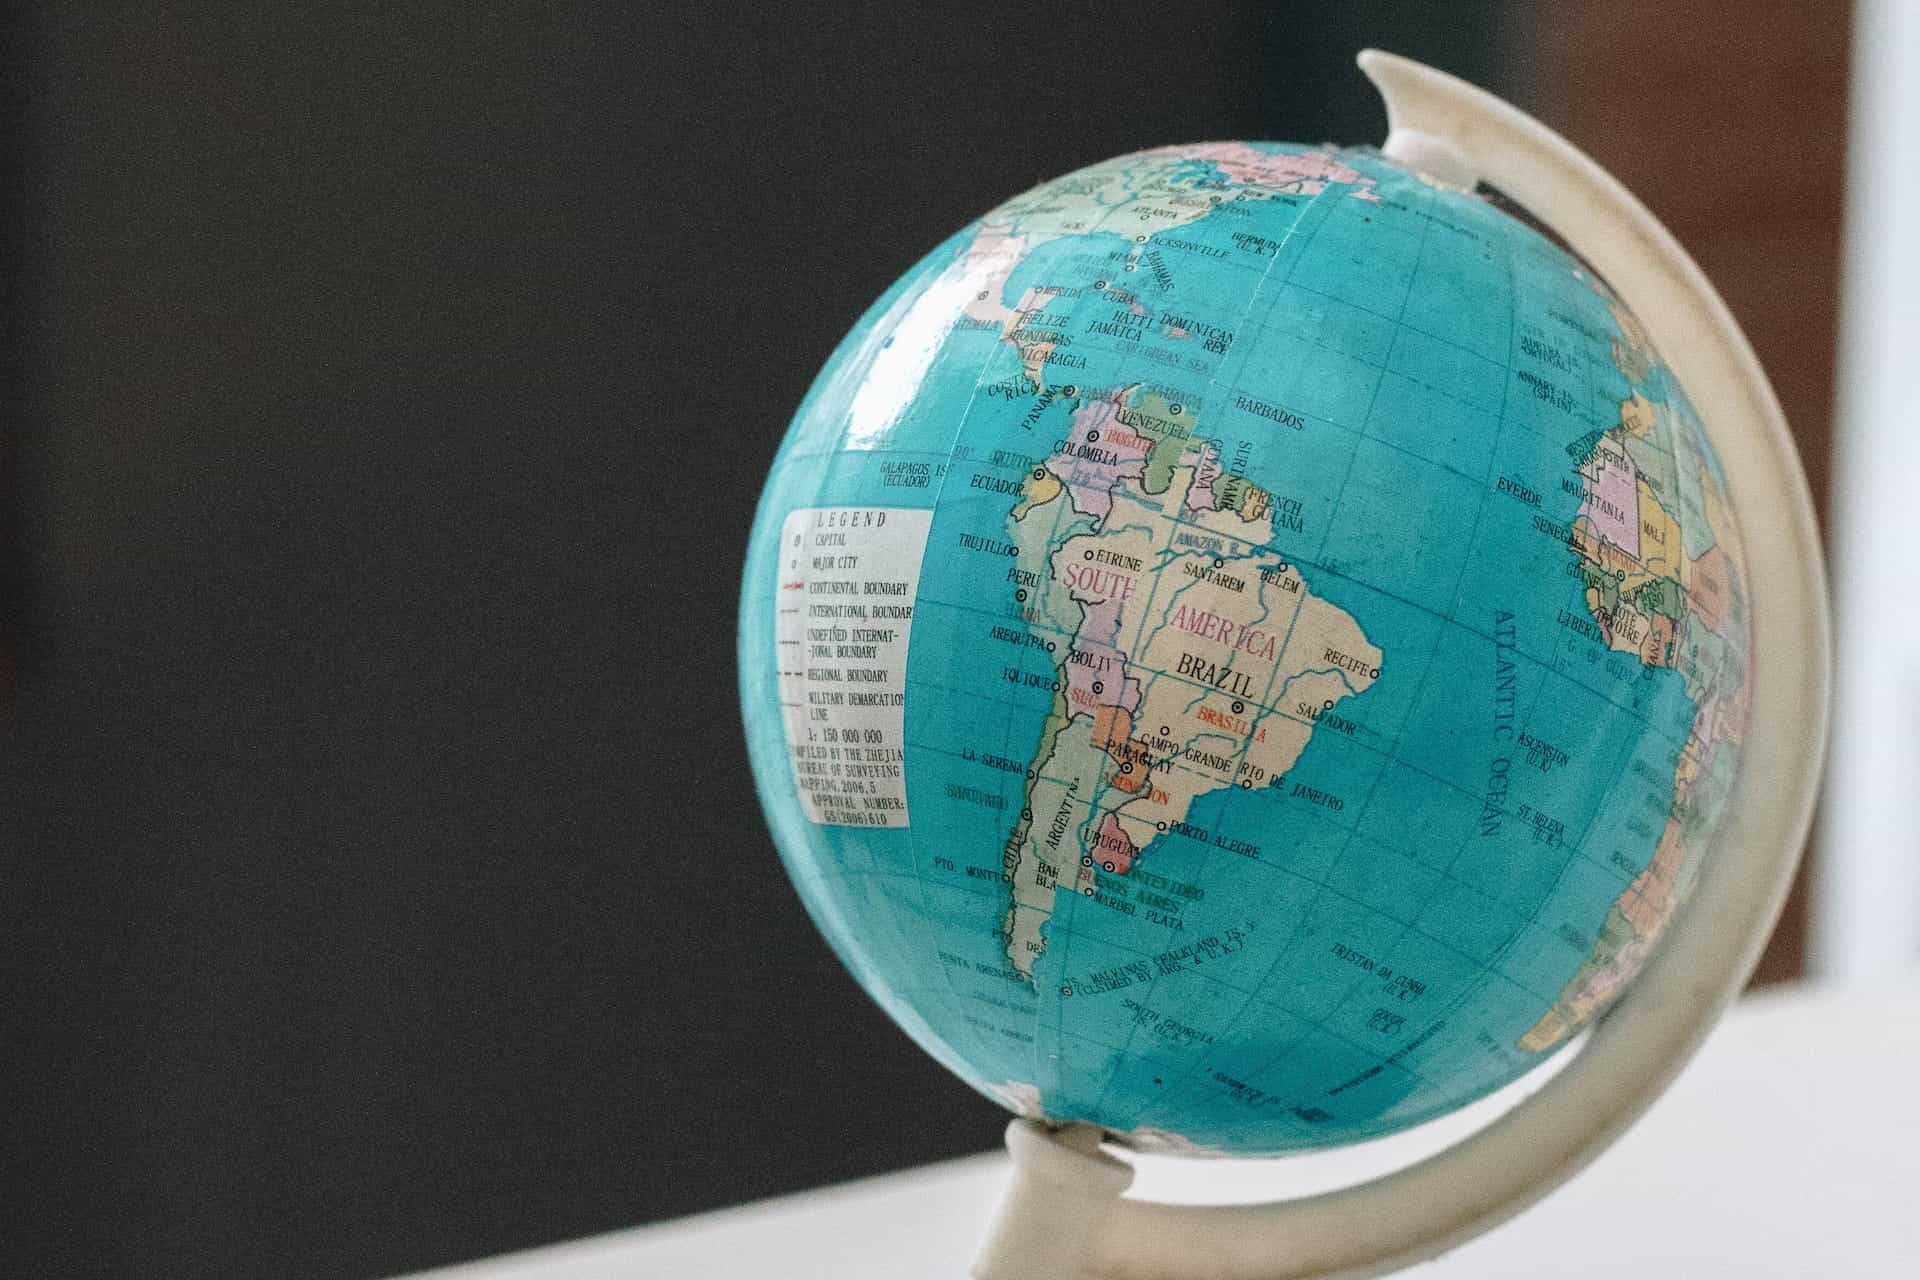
(848, 578)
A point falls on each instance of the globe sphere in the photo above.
(1245, 646)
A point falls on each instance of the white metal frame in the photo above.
(1062, 1216)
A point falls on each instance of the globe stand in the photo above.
(1062, 1187)
(1063, 1215)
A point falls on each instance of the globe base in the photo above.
(1062, 1186)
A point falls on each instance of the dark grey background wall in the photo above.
(389, 393)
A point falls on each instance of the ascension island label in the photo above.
(848, 577)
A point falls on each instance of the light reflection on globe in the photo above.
(1245, 647)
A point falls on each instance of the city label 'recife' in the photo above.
(1260, 644)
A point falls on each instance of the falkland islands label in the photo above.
(848, 578)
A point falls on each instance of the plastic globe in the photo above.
(1248, 646)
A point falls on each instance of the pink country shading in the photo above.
(1092, 467)
(1112, 848)
(1098, 659)
(1613, 499)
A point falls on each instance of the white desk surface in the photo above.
(1789, 1148)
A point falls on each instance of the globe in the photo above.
(1245, 646)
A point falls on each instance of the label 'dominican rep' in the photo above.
(848, 578)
